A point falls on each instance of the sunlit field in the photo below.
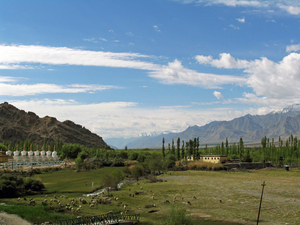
(227, 197)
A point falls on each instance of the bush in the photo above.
(178, 217)
(118, 163)
(133, 156)
(34, 185)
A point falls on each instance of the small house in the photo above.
(213, 158)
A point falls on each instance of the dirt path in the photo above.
(11, 219)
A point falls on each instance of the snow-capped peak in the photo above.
(292, 108)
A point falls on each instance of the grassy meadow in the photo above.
(227, 197)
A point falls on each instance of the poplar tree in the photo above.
(163, 147)
(182, 150)
(178, 148)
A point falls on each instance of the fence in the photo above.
(100, 219)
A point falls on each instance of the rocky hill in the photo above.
(18, 125)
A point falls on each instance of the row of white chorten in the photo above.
(33, 153)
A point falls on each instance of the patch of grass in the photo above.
(72, 181)
(35, 214)
(239, 193)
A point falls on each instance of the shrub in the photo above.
(133, 156)
(178, 217)
(34, 185)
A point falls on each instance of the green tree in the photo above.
(137, 171)
(182, 150)
(178, 148)
(163, 147)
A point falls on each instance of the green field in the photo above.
(238, 191)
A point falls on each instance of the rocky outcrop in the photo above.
(18, 125)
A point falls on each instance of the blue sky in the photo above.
(123, 68)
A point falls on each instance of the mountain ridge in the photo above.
(252, 128)
(17, 125)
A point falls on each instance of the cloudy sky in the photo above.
(122, 68)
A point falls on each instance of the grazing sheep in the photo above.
(141, 188)
(167, 201)
(153, 197)
(153, 205)
(45, 200)
(150, 190)
(54, 196)
(78, 209)
(221, 201)
(25, 199)
(194, 197)
(174, 199)
(92, 205)
(32, 201)
(46, 196)
(182, 198)
(19, 199)
(188, 202)
(125, 207)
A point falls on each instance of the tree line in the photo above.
(284, 151)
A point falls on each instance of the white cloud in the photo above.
(267, 78)
(293, 48)
(241, 20)
(225, 61)
(290, 6)
(34, 89)
(156, 28)
(294, 10)
(129, 33)
(12, 55)
(218, 95)
(234, 27)
(175, 73)
(232, 3)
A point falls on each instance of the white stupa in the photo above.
(8, 152)
(54, 154)
(30, 153)
(23, 153)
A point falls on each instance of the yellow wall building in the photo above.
(209, 158)
(213, 158)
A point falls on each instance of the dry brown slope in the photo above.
(18, 125)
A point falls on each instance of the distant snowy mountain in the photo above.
(120, 143)
(292, 108)
(252, 128)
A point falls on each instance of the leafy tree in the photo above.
(133, 156)
(163, 147)
(137, 171)
(71, 150)
(178, 148)
(182, 150)
(173, 146)
(3, 147)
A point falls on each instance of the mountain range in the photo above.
(252, 128)
(18, 125)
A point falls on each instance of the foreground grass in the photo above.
(239, 193)
(72, 181)
(35, 214)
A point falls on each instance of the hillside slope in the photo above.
(17, 125)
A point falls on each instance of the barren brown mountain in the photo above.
(18, 125)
